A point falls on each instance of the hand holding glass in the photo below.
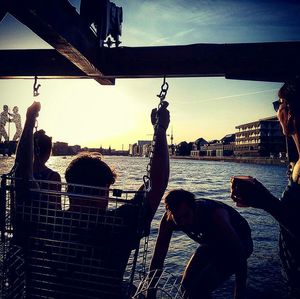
(239, 186)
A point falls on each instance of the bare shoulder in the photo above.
(221, 218)
(296, 173)
(220, 214)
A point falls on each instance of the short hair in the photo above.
(89, 169)
(290, 91)
(42, 144)
(176, 197)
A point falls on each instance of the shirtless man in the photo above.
(224, 237)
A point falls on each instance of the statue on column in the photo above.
(3, 120)
(16, 118)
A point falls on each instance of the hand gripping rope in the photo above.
(146, 178)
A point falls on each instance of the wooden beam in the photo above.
(3, 10)
(58, 23)
(174, 61)
(46, 64)
(274, 62)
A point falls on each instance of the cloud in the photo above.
(191, 21)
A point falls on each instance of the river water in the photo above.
(208, 179)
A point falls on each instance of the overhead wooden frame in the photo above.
(275, 62)
(58, 23)
(46, 64)
(76, 53)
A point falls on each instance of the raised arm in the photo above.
(24, 155)
(162, 244)
(159, 173)
(159, 255)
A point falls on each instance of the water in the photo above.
(208, 179)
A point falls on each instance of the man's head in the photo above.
(15, 109)
(180, 205)
(89, 169)
(5, 108)
(289, 108)
(42, 146)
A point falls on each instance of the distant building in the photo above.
(210, 149)
(228, 143)
(196, 147)
(219, 148)
(132, 149)
(146, 150)
(142, 148)
(143, 142)
(183, 148)
(74, 149)
(60, 148)
(260, 138)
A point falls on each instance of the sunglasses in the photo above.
(276, 104)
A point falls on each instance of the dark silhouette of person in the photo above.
(286, 209)
(42, 153)
(48, 179)
(87, 230)
(224, 239)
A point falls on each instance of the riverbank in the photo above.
(251, 160)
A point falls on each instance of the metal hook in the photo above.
(36, 87)
(164, 90)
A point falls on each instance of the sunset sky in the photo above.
(87, 113)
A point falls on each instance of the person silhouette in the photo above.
(3, 120)
(108, 239)
(251, 192)
(224, 239)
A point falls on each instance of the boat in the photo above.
(76, 54)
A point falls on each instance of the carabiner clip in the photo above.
(36, 87)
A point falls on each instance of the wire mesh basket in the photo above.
(60, 240)
(159, 284)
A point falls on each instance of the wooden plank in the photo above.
(274, 62)
(3, 10)
(46, 64)
(174, 61)
(58, 23)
